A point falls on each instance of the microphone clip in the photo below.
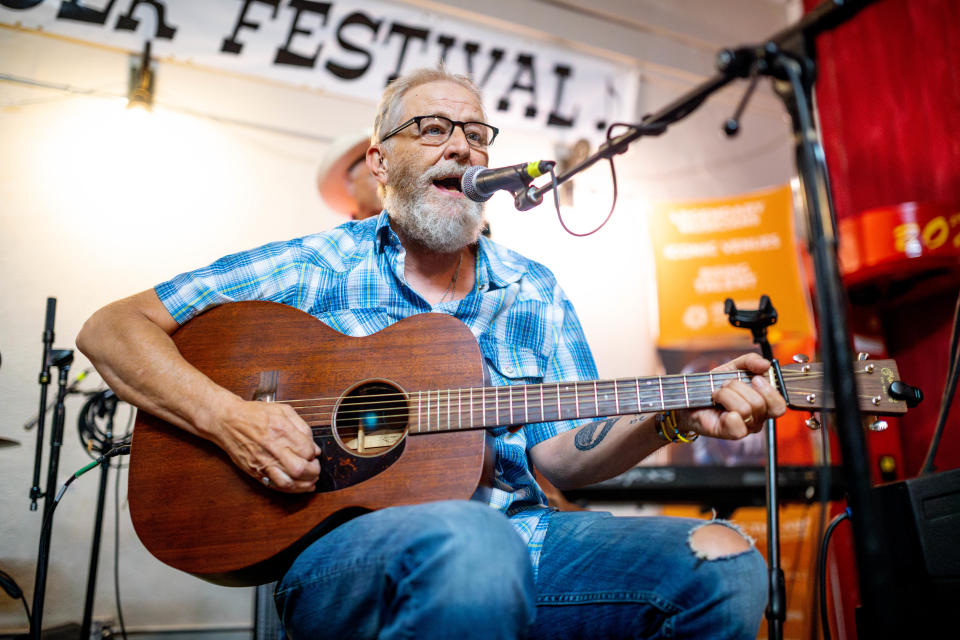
(526, 198)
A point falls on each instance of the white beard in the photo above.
(437, 222)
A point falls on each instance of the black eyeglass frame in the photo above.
(456, 123)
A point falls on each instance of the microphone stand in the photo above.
(42, 414)
(758, 321)
(62, 359)
(789, 58)
(109, 406)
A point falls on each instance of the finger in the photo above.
(745, 409)
(298, 434)
(740, 398)
(753, 362)
(280, 481)
(298, 467)
(776, 406)
(732, 426)
(296, 420)
(707, 422)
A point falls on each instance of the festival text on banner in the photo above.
(353, 48)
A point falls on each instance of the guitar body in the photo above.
(196, 511)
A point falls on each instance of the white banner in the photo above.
(354, 47)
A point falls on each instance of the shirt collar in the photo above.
(498, 266)
(383, 235)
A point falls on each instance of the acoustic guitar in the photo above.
(401, 417)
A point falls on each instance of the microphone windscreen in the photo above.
(468, 184)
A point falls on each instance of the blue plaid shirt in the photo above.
(351, 278)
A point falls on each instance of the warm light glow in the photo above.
(125, 175)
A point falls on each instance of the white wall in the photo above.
(96, 204)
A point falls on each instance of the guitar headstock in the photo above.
(805, 391)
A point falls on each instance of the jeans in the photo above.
(458, 570)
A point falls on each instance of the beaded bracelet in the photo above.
(660, 420)
(672, 433)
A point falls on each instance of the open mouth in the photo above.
(450, 183)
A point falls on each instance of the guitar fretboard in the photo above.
(485, 407)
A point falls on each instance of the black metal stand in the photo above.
(758, 321)
(45, 364)
(873, 562)
(62, 359)
(108, 405)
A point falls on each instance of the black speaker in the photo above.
(921, 520)
(921, 525)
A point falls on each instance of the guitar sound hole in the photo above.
(371, 419)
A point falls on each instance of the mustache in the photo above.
(446, 169)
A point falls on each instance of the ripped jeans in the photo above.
(457, 570)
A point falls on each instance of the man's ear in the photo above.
(377, 164)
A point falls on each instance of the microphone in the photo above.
(479, 183)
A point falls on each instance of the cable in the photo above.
(118, 451)
(93, 438)
(14, 591)
(613, 177)
(116, 550)
(822, 570)
(116, 530)
(949, 388)
(824, 502)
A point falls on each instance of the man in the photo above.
(343, 180)
(457, 569)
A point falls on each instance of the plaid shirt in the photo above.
(351, 278)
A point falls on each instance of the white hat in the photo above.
(342, 154)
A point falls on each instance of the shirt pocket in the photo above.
(510, 364)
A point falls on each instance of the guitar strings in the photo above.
(671, 390)
(568, 403)
(628, 384)
(438, 403)
(485, 395)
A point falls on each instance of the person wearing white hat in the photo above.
(343, 180)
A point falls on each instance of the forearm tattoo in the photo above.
(587, 438)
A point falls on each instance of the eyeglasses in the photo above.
(435, 130)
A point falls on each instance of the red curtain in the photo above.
(888, 92)
(888, 95)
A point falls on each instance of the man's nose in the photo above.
(457, 146)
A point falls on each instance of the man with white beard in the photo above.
(452, 569)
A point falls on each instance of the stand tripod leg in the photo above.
(46, 533)
(94, 555)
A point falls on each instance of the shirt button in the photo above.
(509, 369)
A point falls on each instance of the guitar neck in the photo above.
(487, 407)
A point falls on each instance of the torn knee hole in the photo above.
(713, 541)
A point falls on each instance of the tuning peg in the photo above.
(863, 355)
(812, 423)
(878, 425)
(801, 358)
(902, 391)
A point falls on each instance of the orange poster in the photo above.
(709, 250)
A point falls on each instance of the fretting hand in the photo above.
(745, 405)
